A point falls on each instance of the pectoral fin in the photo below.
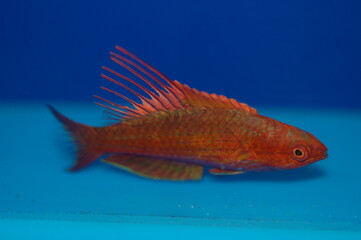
(217, 171)
(155, 168)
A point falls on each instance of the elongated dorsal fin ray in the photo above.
(158, 92)
(171, 96)
(168, 96)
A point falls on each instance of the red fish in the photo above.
(176, 131)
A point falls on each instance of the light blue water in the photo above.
(37, 193)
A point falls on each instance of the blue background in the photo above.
(295, 53)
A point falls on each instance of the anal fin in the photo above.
(155, 168)
(217, 171)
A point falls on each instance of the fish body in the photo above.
(177, 131)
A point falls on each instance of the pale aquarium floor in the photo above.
(39, 199)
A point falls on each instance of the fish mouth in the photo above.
(320, 157)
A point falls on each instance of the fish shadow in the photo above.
(292, 175)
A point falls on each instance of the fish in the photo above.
(174, 132)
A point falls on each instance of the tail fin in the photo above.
(81, 134)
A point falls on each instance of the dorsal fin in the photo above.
(193, 97)
(169, 95)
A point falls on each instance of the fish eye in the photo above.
(299, 153)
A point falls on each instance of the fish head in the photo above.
(289, 148)
(297, 148)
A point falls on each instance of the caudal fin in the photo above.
(82, 135)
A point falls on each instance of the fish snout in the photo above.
(321, 152)
(324, 156)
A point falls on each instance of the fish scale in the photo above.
(207, 134)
